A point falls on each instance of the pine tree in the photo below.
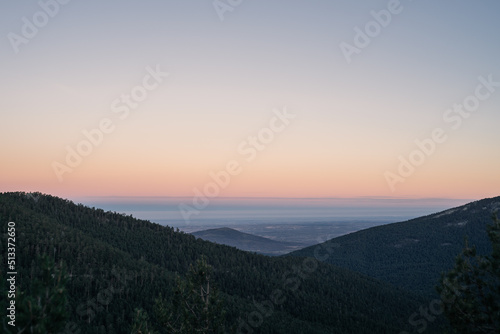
(195, 307)
(141, 323)
(470, 292)
(42, 308)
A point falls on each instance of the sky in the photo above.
(240, 98)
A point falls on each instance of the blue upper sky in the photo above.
(229, 64)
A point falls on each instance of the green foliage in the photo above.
(471, 290)
(141, 323)
(41, 307)
(117, 264)
(413, 254)
(196, 306)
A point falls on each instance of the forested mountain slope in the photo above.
(412, 254)
(135, 261)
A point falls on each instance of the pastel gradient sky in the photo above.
(352, 120)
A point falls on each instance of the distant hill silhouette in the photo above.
(412, 254)
(247, 241)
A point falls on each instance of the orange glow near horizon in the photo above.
(281, 100)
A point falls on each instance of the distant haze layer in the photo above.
(182, 211)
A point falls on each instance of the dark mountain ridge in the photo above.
(138, 260)
(412, 254)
